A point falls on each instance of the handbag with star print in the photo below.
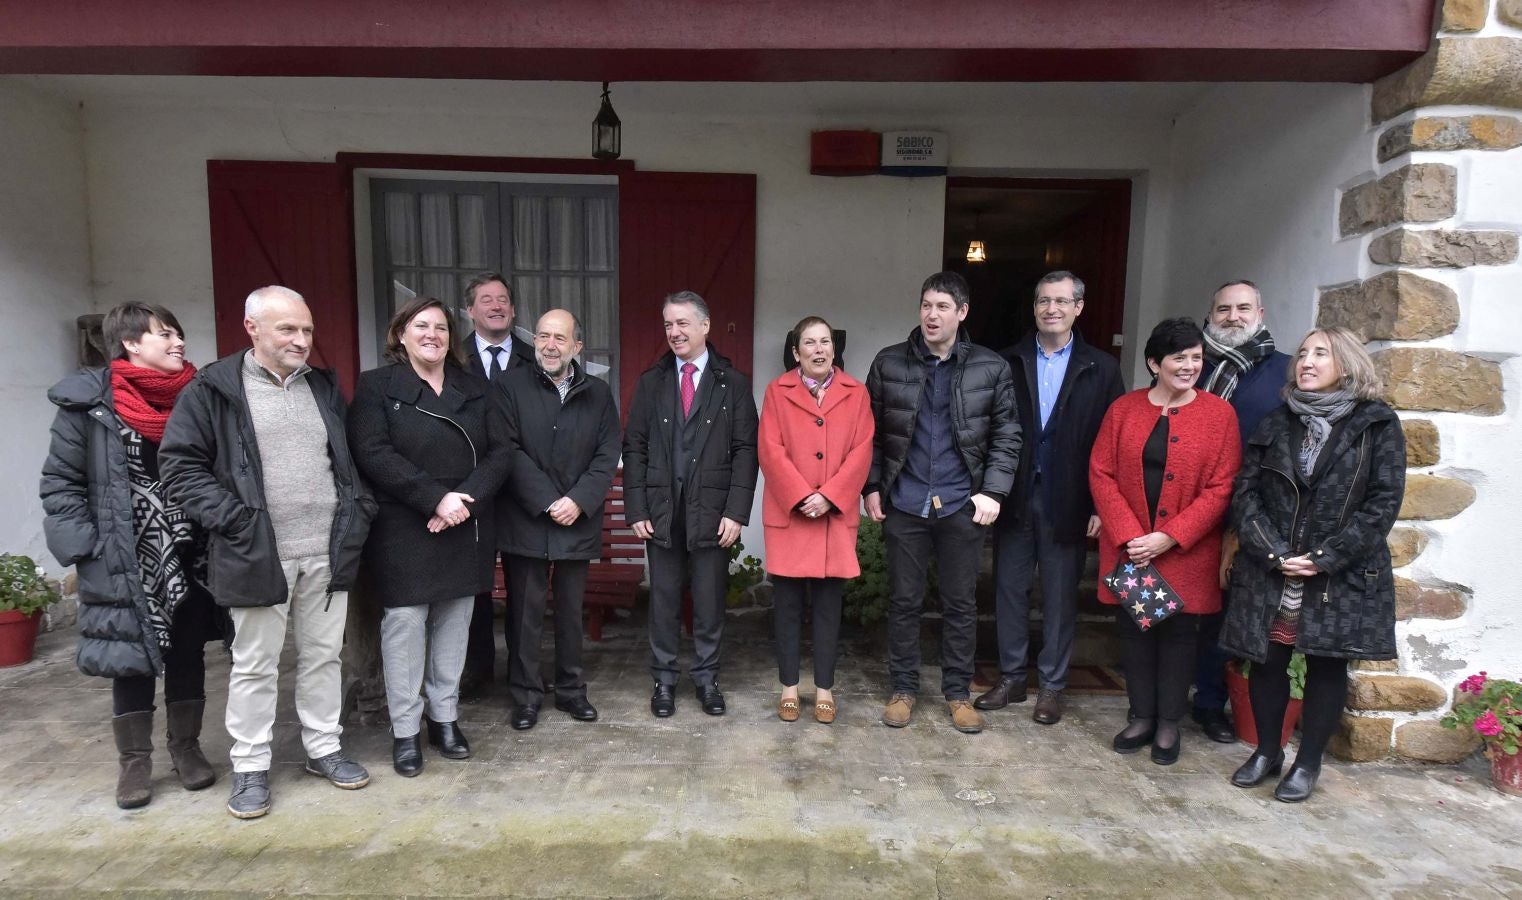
(1142, 593)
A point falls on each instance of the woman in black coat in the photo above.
(1321, 482)
(430, 439)
(144, 609)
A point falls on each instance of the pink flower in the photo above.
(1488, 724)
(1474, 684)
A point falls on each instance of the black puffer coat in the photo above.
(1341, 516)
(560, 450)
(414, 446)
(719, 473)
(982, 412)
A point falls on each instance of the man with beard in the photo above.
(1243, 368)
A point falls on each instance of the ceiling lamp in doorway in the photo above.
(607, 141)
(976, 252)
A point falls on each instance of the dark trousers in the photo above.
(1019, 552)
(184, 673)
(1326, 693)
(956, 544)
(826, 595)
(1210, 670)
(528, 583)
(671, 570)
(1159, 664)
(481, 645)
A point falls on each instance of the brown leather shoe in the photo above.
(964, 718)
(824, 711)
(787, 709)
(898, 710)
(1048, 707)
(1007, 691)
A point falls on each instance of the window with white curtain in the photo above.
(557, 244)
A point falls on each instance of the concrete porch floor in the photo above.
(738, 806)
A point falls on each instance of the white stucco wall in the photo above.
(44, 284)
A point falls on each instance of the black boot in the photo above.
(134, 744)
(407, 755)
(184, 734)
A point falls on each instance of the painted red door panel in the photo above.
(287, 223)
(685, 231)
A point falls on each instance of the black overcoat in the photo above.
(414, 446)
(721, 465)
(1341, 516)
(560, 450)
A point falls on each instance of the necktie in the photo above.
(688, 389)
(496, 361)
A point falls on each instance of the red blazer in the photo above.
(806, 448)
(1204, 452)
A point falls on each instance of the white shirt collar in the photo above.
(701, 362)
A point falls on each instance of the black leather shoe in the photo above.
(1124, 744)
(407, 755)
(525, 717)
(1167, 756)
(1007, 691)
(1257, 769)
(1216, 725)
(1298, 784)
(712, 699)
(579, 707)
(449, 739)
(663, 701)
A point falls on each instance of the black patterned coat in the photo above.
(1341, 516)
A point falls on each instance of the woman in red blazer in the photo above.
(815, 446)
(1161, 473)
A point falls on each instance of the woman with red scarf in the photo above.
(144, 610)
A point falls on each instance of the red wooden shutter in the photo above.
(684, 231)
(291, 224)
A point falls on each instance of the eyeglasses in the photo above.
(1059, 302)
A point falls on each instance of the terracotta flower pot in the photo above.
(18, 636)
(1241, 710)
(1506, 771)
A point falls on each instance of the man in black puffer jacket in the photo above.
(943, 460)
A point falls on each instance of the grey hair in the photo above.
(1060, 275)
(1256, 294)
(692, 297)
(253, 307)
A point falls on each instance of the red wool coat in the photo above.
(1204, 452)
(805, 448)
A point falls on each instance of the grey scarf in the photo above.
(1319, 412)
(1231, 363)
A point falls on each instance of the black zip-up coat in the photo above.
(720, 466)
(982, 413)
(211, 465)
(560, 450)
(413, 446)
(1091, 384)
(1341, 516)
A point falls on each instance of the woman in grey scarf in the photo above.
(1321, 482)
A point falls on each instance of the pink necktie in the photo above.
(688, 390)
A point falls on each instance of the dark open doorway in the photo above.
(1031, 226)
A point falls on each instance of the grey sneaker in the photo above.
(251, 795)
(339, 769)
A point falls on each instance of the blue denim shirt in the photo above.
(934, 467)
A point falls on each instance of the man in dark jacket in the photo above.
(1243, 368)
(255, 452)
(689, 481)
(1062, 388)
(489, 351)
(565, 426)
(943, 461)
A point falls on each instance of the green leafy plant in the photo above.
(866, 596)
(1296, 669)
(24, 585)
(744, 573)
(1489, 706)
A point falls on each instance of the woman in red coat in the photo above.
(815, 446)
(1161, 473)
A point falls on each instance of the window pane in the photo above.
(438, 230)
(528, 300)
(565, 243)
(403, 288)
(600, 235)
(599, 320)
(439, 285)
(528, 233)
(401, 229)
(471, 211)
(565, 292)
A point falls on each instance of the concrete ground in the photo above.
(739, 806)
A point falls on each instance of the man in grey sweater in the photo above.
(256, 453)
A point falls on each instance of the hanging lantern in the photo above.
(976, 252)
(607, 141)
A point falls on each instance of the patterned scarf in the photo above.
(144, 397)
(1231, 363)
(817, 388)
(1319, 412)
(166, 540)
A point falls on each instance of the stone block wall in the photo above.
(1440, 216)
